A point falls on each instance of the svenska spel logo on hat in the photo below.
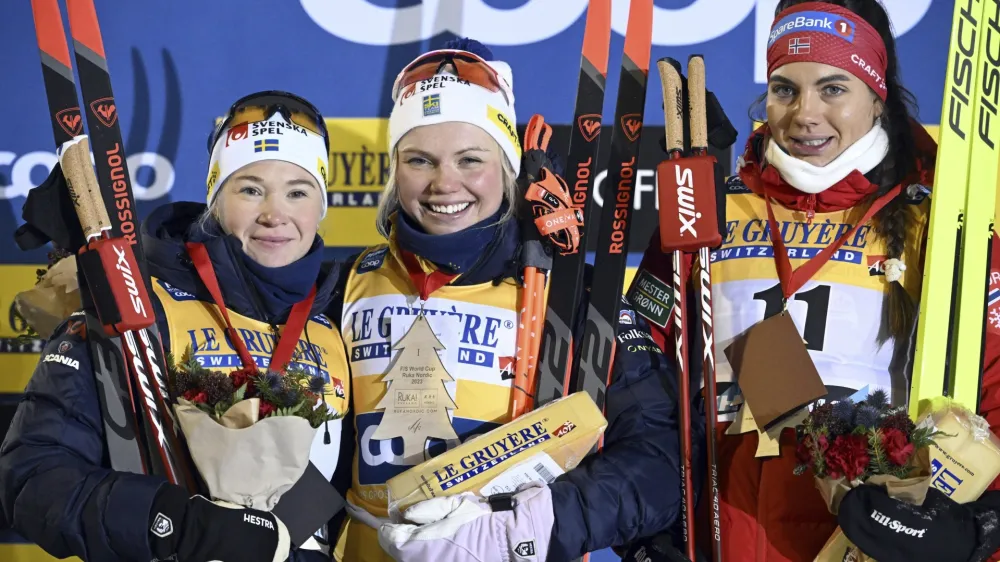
(432, 105)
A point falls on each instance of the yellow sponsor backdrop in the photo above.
(359, 166)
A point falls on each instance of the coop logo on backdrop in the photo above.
(362, 21)
(152, 174)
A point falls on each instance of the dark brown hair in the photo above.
(892, 222)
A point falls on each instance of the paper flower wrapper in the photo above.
(52, 300)
(243, 460)
(911, 490)
(962, 461)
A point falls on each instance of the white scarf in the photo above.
(863, 155)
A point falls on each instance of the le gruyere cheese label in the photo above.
(564, 429)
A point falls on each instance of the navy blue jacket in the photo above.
(632, 488)
(55, 487)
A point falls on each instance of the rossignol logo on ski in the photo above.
(590, 126)
(652, 298)
(895, 525)
(632, 125)
(813, 21)
(105, 110)
(71, 121)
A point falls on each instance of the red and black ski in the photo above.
(597, 347)
(124, 341)
(556, 358)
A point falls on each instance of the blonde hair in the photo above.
(389, 201)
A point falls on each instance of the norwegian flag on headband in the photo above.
(798, 45)
(828, 34)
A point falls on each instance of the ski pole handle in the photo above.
(698, 120)
(673, 106)
(74, 158)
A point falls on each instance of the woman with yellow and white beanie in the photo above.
(454, 250)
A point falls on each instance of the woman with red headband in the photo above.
(450, 213)
(840, 164)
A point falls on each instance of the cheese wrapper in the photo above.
(839, 549)
(965, 457)
(565, 429)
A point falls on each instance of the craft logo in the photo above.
(265, 145)
(105, 111)
(506, 368)
(799, 45)
(213, 176)
(505, 125)
(632, 125)
(238, 133)
(590, 126)
(812, 21)
(432, 105)
(70, 121)
(876, 265)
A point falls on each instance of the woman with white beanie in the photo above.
(454, 250)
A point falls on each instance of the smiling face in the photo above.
(274, 209)
(449, 176)
(816, 111)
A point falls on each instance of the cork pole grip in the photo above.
(673, 105)
(74, 157)
(696, 97)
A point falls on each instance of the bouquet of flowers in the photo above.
(249, 432)
(55, 295)
(847, 444)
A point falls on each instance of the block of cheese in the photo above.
(965, 458)
(565, 430)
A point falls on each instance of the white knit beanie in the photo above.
(446, 98)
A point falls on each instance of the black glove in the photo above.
(942, 530)
(196, 529)
(658, 549)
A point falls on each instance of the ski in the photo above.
(962, 215)
(124, 341)
(597, 346)
(556, 358)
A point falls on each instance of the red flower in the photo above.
(897, 446)
(265, 409)
(241, 376)
(804, 451)
(195, 395)
(847, 456)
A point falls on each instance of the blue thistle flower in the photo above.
(866, 416)
(470, 45)
(273, 381)
(844, 411)
(878, 399)
(317, 384)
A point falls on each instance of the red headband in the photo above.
(828, 34)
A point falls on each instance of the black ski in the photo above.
(598, 344)
(566, 277)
